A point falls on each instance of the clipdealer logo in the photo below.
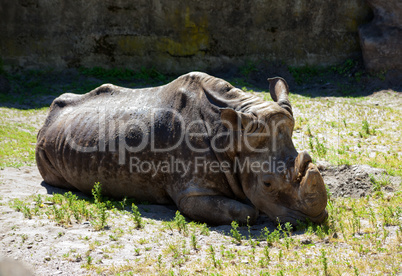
(113, 133)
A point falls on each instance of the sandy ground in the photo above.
(47, 249)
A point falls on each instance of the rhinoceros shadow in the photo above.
(168, 212)
(55, 190)
(151, 211)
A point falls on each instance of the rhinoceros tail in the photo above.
(49, 173)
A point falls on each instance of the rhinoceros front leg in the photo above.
(217, 210)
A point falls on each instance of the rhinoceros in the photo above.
(218, 153)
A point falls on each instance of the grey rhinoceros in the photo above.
(218, 153)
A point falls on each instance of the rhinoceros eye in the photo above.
(267, 184)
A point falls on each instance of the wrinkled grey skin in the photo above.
(72, 154)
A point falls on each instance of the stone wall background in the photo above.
(178, 36)
(381, 39)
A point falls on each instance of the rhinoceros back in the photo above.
(90, 138)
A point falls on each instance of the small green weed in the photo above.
(264, 262)
(100, 221)
(137, 216)
(379, 183)
(365, 127)
(215, 261)
(235, 233)
(324, 261)
(194, 241)
(89, 260)
(97, 192)
(318, 147)
(102, 215)
(271, 237)
(181, 223)
(160, 262)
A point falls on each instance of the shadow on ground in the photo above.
(167, 213)
(37, 89)
(345, 80)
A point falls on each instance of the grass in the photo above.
(137, 216)
(364, 232)
(16, 144)
(348, 131)
(362, 236)
(18, 136)
(68, 209)
(237, 237)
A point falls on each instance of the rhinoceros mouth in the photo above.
(295, 217)
(320, 218)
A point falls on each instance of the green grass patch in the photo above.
(17, 144)
(348, 131)
(18, 130)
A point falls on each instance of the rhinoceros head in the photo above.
(284, 184)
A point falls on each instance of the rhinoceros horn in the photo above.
(279, 90)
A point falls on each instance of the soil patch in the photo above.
(357, 180)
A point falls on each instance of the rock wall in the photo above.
(381, 39)
(178, 35)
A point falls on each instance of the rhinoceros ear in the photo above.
(279, 90)
(235, 120)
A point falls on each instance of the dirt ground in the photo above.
(42, 246)
(45, 248)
